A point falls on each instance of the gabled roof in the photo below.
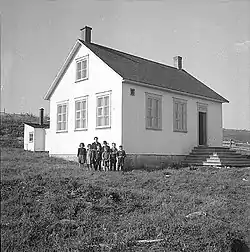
(144, 71)
(37, 125)
(138, 69)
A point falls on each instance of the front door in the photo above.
(202, 128)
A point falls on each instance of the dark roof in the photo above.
(138, 69)
(37, 125)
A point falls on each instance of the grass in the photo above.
(48, 204)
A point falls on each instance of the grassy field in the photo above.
(48, 204)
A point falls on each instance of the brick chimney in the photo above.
(178, 62)
(86, 34)
(41, 116)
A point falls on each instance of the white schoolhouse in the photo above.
(155, 111)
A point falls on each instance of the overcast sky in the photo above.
(212, 36)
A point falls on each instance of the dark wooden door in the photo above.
(202, 128)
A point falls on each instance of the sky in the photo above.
(212, 36)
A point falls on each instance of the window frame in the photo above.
(57, 115)
(31, 134)
(154, 97)
(181, 117)
(81, 59)
(102, 95)
(81, 99)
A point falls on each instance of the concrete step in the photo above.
(220, 155)
(212, 151)
(231, 164)
(193, 158)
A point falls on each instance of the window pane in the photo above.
(149, 103)
(106, 100)
(78, 105)
(78, 114)
(84, 64)
(106, 111)
(64, 109)
(78, 75)
(83, 114)
(78, 66)
(99, 111)
(106, 120)
(149, 122)
(59, 118)
(78, 124)
(84, 73)
(99, 102)
(156, 125)
(84, 104)
(149, 112)
(100, 121)
(64, 125)
(59, 109)
(58, 126)
(84, 124)
(64, 117)
(156, 108)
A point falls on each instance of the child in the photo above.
(121, 154)
(96, 143)
(105, 158)
(89, 157)
(81, 154)
(98, 158)
(105, 144)
(113, 155)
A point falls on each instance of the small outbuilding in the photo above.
(34, 134)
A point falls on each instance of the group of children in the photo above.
(101, 158)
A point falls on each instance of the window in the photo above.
(81, 114)
(103, 113)
(62, 117)
(31, 137)
(180, 115)
(82, 69)
(153, 112)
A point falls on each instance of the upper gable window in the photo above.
(82, 68)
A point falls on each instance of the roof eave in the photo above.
(223, 100)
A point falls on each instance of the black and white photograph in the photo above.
(125, 125)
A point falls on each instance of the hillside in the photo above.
(48, 204)
(242, 136)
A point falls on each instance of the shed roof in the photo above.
(37, 125)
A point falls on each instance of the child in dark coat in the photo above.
(121, 154)
(98, 158)
(113, 155)
(105, 158)
(81, 154)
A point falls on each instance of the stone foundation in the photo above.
(151, 161)
(139, 161)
